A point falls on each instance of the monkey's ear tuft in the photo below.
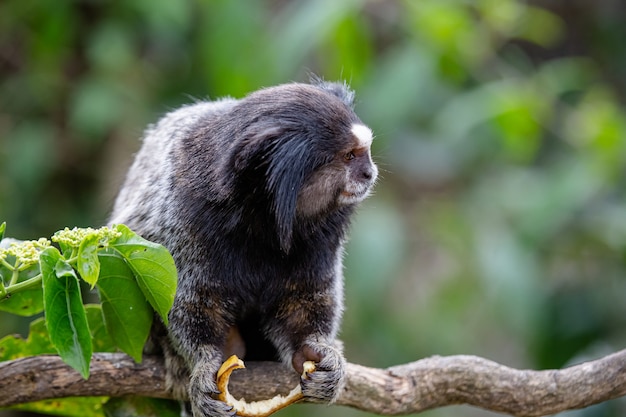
(256, 144)
(272, 154)
(285, 177)
(340, 90)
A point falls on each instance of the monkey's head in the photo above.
(301, 152)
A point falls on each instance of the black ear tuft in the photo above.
(256, 143)
(274, 156)
(285, 176)
(340, 90)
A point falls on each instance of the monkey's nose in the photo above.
(367, 174)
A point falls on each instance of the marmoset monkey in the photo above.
(253, 198)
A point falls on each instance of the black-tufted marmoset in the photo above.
(253, 198)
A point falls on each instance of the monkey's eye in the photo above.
(349, 156)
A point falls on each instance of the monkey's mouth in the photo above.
(354, 195)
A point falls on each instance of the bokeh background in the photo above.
(498, 227)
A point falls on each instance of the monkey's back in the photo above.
(145, 201)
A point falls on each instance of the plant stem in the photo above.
(6, 264)
(22, 286)
(14, 276)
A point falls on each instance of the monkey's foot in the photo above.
(256, 408)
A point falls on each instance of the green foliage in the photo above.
(28, 301)
(87, 262)
(37, 343)
(127, 313)
(66, 320)
(133, 276)
(152, 266)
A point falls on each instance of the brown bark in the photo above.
(404, 389)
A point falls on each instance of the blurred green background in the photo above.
(498, 227)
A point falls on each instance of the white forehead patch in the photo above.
(363, 134)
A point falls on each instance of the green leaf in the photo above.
(100, 338)
(3, 227)
(127, 314)
(26, 302)
(37, 343)
(153, 267)
(38, 340)
(88, 265)
(62, 269)
(65, 314)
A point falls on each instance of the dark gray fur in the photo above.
(253, 198)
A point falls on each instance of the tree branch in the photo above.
(404, 389)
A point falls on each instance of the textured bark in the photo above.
(404, 389)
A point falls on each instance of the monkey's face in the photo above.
(346, 179)
(302, 153)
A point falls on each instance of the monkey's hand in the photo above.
(325, 384)
(202, 387)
